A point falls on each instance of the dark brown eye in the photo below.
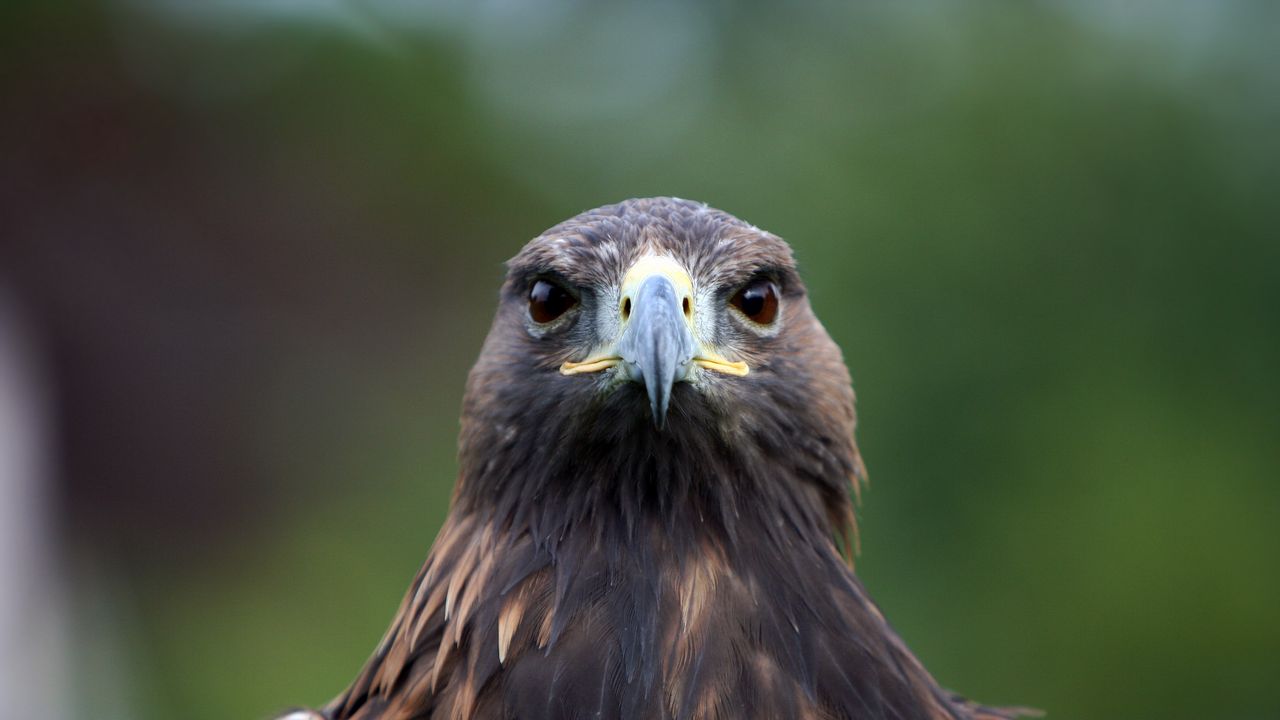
(758, 300)
(548, 301)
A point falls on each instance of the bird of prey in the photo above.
(654, 513)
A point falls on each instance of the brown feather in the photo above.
(509, 620)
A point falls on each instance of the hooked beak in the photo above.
(657, 346)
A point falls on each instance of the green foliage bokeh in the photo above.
(1047, 240)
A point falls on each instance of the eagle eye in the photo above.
(548, 301)
(758, 300)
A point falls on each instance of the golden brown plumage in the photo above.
(654, 511)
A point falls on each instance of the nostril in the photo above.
(685, 305)
(626, 308)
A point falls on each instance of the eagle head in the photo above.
(664, 338)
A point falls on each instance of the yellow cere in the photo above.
(663, 265)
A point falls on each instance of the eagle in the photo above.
(654, 512)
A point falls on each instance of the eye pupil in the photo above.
(758, 301)
(548, 301)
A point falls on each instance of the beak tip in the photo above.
(659, 401)
(657, 344)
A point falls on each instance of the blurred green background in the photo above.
(257, 246)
